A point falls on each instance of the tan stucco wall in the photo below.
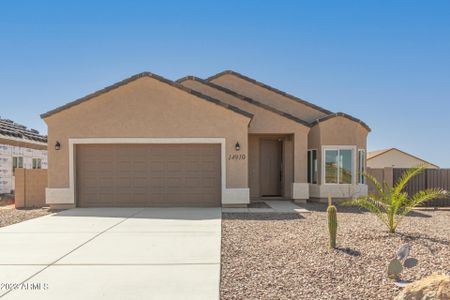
(30, 187)
(142, 108)
(338, 131)
(268, 97)
(396, 159)
(268, 123)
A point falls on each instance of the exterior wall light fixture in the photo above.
(237, 146)
(57, 145)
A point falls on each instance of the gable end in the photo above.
(136, 77)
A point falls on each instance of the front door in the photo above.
(270, 167)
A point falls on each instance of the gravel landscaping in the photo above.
(10, 215)
(273, 256)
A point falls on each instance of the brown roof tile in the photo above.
(270, 88)
(341, 114)
(140, 75)
(246, 99)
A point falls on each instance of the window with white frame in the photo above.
(338, 166)
(17, 162)
(312, 166)
(37, 163)
(361, 166)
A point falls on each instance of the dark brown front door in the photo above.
(270, 167)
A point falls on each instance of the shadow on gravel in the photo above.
(262, 216)
(422, 238)
(348, 251)
(322, 207)
(418, 214)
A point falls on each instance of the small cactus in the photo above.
(332, 223)
(395, 268)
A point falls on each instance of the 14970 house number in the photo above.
(237, 157)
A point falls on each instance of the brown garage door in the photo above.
(148, 175)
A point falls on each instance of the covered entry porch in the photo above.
(274, 164)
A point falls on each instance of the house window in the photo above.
(17, 163)
(312, 166)
(37, 163)
(338, 166)
(361, 166)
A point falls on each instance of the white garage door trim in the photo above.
(67, 195)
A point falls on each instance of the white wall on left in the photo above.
(7, 152)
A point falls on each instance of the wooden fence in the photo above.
(430, 178)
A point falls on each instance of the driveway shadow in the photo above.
(167, 213)
(262, 216)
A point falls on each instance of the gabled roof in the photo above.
(270, 88)
(246, 99)
(376, 153)
(141, 75)
(12, 130)
(341, 114)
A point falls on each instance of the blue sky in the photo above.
(386, 62)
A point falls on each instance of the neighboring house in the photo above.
(395, 158)
(19, 148)
(227, 140)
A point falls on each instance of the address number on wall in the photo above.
(237, 157)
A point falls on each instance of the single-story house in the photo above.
(227, 140)
(395, 158)
(20, 147)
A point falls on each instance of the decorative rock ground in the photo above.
(272, 256)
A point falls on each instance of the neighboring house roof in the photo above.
(141, 75)
(376, 153)
(14, 131)
(246, 99)
(270, 88)
(341, 114)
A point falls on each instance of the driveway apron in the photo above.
(113, 253)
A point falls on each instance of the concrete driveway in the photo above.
(113, 253)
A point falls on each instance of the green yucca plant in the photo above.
(391, 204)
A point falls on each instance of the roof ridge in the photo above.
(140, 75)
(341, 114)
(270, 88)
(246, 99)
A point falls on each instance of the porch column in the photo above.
(300, 186)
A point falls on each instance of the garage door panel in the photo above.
(148, 175)
(140, 182)
(101, 165)
(156, 183)
(174, 183)
(173, 166)
(140, 167)
(156, 166)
